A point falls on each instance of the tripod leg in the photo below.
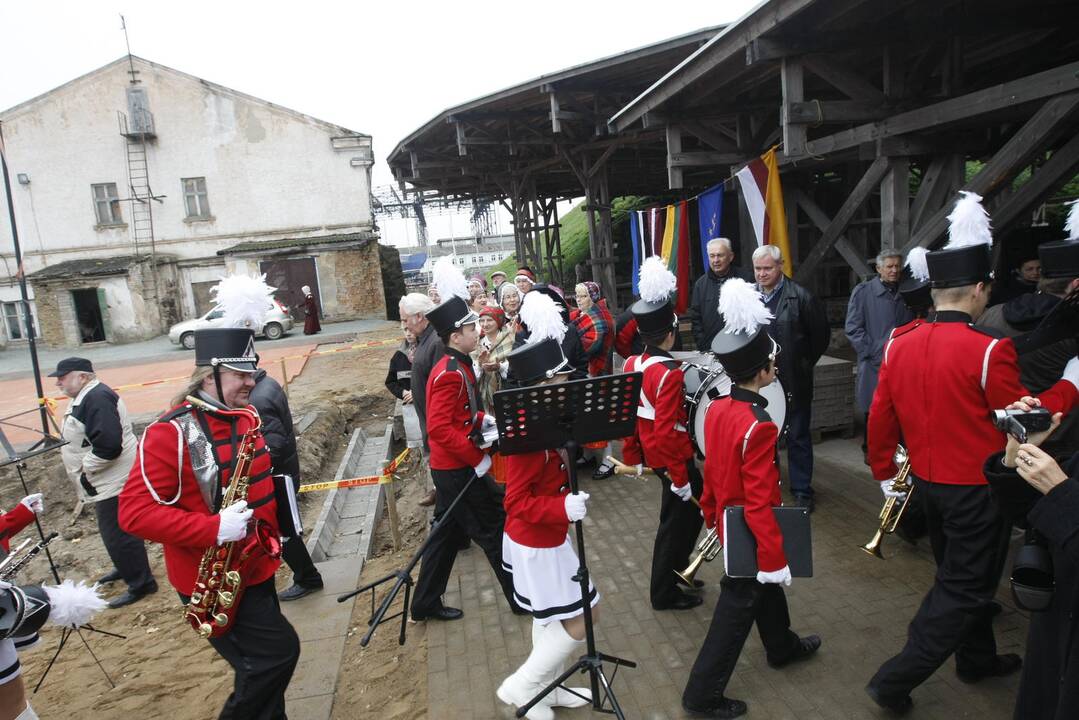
(37, 523)
(91, 651)
(608, 692)
(64, 634)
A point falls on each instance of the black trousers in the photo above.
(742, 602)
(127, 552)
(679, 525)
(295, 555)
(969, 539)
(479, 516)
(262, 649)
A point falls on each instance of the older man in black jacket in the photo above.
(704, 302)
(269, 399)
(801, 329)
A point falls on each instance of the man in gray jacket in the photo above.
(874, 310)
(98, 456)
(429, 349)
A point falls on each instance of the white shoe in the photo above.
(27, 714)
(560, 697)
(526, 682)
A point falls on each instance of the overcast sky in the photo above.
(382, 68)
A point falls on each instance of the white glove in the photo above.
(234, 520)
(488, 424)
(34, 503)
(483, 467)
(576, 506)
(639, 468)
(776, 577)
(886, 488)
(1071, 372)
(685, 492)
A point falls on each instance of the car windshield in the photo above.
(215, 314)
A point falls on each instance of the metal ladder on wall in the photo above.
(141, 195)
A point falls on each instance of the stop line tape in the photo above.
(51, 401)
(383, 479)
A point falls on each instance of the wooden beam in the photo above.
(823, 112)
(831, 233)
(719, 140)
(843, 246)
(674, 150)
(1060, 168)
(895, 204)
(1042, 128)
(929, 192)
(1057, 81)
(846, 81)
(462, 150)
(791, 77)
(703, 159)
(556, 122)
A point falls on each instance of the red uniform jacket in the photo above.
(178, 516)
(740, 469)
(938, 383)
(12, 522)
(450, 419)
(661, 417)
(535, 502)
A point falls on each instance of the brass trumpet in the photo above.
(709, 547)
(889, 514)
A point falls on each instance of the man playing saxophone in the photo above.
(174, 496)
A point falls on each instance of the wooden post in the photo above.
(674, 147)
(391, 510)
(794, 135)
(895, 204)
(284, 378)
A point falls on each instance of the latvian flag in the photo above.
(764, 199)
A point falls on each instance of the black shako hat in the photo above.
(71, 364)
(534, 362)
(741, 354)
(653, 318)
(916, 294)
(231, 348)
(956, 267)
(451, 315)
(1059, 258)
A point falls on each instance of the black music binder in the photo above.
(740, 547)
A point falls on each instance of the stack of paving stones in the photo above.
(858, 604)
(833, 397)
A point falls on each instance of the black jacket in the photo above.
(1049, 688)
(801, 329)
(429, 350)
(269, 399)
(704, 304)
(399, 376)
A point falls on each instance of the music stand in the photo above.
(562, 416)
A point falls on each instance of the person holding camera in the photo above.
(938, 383)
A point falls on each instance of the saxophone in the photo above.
(219, 584)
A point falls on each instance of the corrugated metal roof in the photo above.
(284, 243)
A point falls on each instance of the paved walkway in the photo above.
(859, 605)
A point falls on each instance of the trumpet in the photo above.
(708, 548)
(890, 515)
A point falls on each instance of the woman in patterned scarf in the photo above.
(496, 342)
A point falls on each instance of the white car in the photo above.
(278, 322)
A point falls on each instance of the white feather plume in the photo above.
(656, 282)
(543, 317)
(73, 605)
(919, 268)
(742, 307)
(449, 280)
(245, 299)
(968, 224)
(1072, 224)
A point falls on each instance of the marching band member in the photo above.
(174, 494)
(741, 469)
(939, 380)
(536, 548)
(454, 419)
(662, 441)
(13, 702)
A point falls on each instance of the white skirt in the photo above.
(543, 580)
(9, 661)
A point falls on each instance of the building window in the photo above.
(195, 197)
(107, 204)
(15, 320)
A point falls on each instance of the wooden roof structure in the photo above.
(878, 107)
(545, 140)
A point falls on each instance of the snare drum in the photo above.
(705, 381)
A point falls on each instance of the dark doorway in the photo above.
(203, 299)
(288, 276)
(88, 316)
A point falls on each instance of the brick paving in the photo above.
(860, 606)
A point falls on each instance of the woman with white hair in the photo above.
(310, 310)
(510, 301)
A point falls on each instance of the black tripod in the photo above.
(547, 417)
(403, 578)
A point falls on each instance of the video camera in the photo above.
(1019, 423)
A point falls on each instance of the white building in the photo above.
(468, 254)
(166, 182)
